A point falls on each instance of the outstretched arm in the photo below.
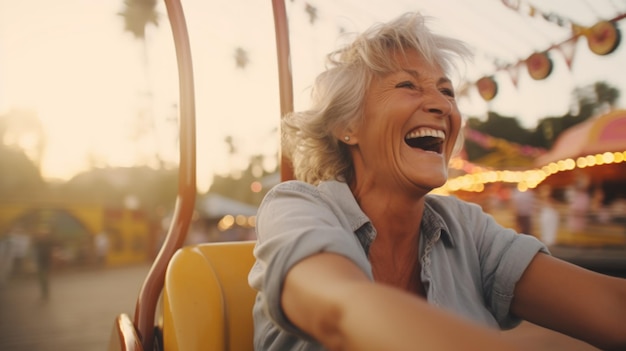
(328, 297)
(564, 297)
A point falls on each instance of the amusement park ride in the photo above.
(201, 291)
(197, 297)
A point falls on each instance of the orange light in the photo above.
(256, 186)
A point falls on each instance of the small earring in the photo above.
(346, 138)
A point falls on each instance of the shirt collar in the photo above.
(342, 195)
(432, 225)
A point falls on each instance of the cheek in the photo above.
(455, 118)
(455, 139)
(456, 146)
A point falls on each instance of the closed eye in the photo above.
(448, 92)
(407, 84)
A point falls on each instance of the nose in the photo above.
(438, 103)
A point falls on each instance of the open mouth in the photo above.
(426, 139)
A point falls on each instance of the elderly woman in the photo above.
(356, 255)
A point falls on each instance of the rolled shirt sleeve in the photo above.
(287, 233)
(515, 260)
(503, 254)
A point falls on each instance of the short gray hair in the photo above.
(308, 138)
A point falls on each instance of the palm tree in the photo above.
(137, 15)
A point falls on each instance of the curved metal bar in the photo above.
(285, 80)
(145, 308)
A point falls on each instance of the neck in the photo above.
(396, 216)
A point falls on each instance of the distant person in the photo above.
(524, 204)
(43, 245)
(101, 246)
(20, 242)
(579, 204)
(548, 218)
(6, 259)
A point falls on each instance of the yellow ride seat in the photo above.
(207, 302)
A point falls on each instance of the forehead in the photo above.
(414, 63)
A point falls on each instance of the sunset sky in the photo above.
(71, 63)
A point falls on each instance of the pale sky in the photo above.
(71, 62)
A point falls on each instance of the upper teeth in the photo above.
(424, 132)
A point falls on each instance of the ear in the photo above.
(346, 135)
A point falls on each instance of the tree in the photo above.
(502, 127)
(111, 187)
(137, 15)
(19, 176)
(502, 153)
(589, 101)
(22, 142)
(239, 188)
(605, 94)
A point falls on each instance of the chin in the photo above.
(433, 182)
(429, 175)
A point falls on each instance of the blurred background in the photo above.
(89, 132)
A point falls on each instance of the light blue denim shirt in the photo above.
(470, 264)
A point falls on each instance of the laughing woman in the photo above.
(357, 255)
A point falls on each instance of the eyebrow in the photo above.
(416, 75)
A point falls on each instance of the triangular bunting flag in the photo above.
(514, 72)
(568, 49)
